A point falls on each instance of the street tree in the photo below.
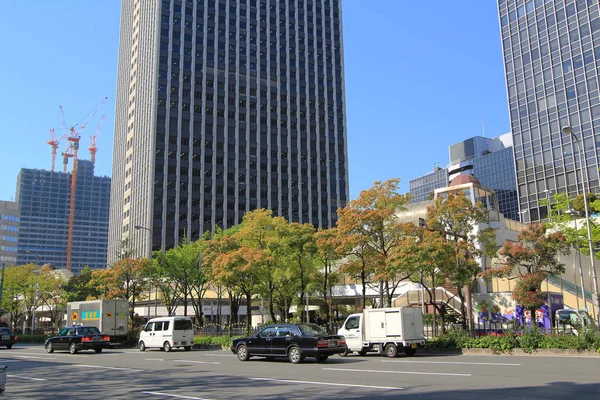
(372, 221)
(466, 226)
(326, 257)
(531, 259)
(80, 288)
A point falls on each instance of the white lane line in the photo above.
(395, 372)
(177, 396)
(451, 362)
(25, 377)
(154, 359)
(53, 354)
(327, 384)
(199, 362)
(9, 361)
(32, 357)
(112, 368)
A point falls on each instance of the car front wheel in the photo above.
(49, 348)
(142, 346)
(72, 348)
(295, 355)
(243, 353)
(167, 346)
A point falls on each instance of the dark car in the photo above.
(295, 341)
(76, 338)
(7, 338)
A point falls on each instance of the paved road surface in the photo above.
(210, 374)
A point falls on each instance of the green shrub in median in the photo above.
(32, 338)
(528, 340)
(205, 341)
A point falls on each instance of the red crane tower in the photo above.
(74, 137)
(66, 155)
(93, 150)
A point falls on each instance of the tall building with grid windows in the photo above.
(226, 106)
(551, 60)
(9, 232)
(44, 199)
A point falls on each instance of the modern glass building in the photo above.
(490, 160)
(44, 198)
(226, 106)
(9, 232)
(551, 59)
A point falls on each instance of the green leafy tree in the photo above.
(326, 277)
(80, 288)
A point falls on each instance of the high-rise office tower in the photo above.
(9, 232)
(551, 58)
(44, 199)
(226, 106)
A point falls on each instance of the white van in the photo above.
(167, 332)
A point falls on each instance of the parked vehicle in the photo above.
(167, 332)
(384, 330)
(7, 338)
(294, 341)
(109, 316)
(77, 338)
(571, 320)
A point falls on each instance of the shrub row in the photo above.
(205, 341)
(527, 340)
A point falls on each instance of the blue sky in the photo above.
(420, 76)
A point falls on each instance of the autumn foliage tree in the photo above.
(465, 226)
(531, 259)
(370, 223)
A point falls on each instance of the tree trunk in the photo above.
(463, 308)
(272, 307)
(249, 312)
(363, 281)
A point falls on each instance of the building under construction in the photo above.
(44, 199)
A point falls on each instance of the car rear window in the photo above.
(310, 329)
(183, 325)
(89, 331)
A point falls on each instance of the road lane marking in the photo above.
(177, 396)
(450, 362)
(395, 372)
(198, 362)
(154, 359)
(327, 383)
(32, 357)
(53, 354)
(113, 368)
(9, 361)
(25, 377)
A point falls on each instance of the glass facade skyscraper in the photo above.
(9, 232)
(226, 106)
(552, 60)
(44, 199)
(490, 160)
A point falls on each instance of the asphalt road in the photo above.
(214, 374)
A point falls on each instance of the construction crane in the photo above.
(93, 150)
(54, 143)
(74, 137)
(68, 153)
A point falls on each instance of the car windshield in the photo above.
(311, 329)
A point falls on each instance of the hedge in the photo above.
(527, 340)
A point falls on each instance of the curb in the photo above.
(514, 352)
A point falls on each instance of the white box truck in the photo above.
(384, 330)
(110, 316)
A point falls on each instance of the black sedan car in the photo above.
(295, 341)
(76, 338)
(7, 338)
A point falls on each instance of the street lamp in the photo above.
(138, 227)
(584, 178)
(572, 212)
